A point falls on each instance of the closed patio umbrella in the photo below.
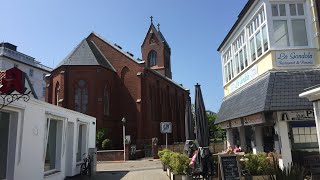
(202, 135)
(189, 127)
(189, 123)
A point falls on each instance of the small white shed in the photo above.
(43, 141)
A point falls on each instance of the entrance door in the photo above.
(4, 145)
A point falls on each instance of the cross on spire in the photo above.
(158, 27)
(151, 17)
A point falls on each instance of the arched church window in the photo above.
(57, 91)
(152, 58)
(81, 96)
(106, 101)
(124, 71)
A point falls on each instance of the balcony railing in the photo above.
(22, 58)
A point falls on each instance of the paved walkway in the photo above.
(144, 169)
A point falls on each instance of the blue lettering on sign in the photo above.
(243, 79)
(282, 56)
(295, 58)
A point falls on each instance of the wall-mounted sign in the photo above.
(165, 127)
(128, 139)
(14, 80)
(244, 78)
(253, 119)
(236, 123)
(225, 125)
(296, 115)
(295, 58)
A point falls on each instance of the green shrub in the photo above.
(162, 152)
(178, 162)
(106, 144)
(165, 156)
(292, 172)
(100, 136)
(257, 164)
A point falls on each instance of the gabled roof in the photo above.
(157, 33)
(117, 48)
(163, 39)
(274, 91)
(86, 54)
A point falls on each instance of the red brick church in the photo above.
(100, 79)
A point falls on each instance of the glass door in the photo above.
(4, 139)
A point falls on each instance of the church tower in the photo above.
(156, 51)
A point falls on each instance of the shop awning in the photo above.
(273, 91)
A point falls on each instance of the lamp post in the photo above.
(124, 137)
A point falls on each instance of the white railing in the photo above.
(22, 58)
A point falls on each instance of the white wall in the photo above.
(31, 136)
(281, 128)
(37, 78)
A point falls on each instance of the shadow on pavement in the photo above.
(103, 175)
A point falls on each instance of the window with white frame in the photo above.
(251, 44)
(228, 65)
(240, 53)
(289, 24)
(53, 148)
(257, 35)
(81, 148)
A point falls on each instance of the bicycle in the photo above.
(85, 168)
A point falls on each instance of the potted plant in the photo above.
(164, 156)
(179, 163)
(257, 165)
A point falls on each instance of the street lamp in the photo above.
(124, 137)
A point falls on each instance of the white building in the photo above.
(270, 55)
(10, 57)
(42, 141)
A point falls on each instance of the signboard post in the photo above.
(165, 128)
(229, 167)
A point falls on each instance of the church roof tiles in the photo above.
(88, 54)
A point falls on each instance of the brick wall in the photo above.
(133, 91)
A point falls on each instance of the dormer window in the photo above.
(152, 58)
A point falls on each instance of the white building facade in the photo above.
(10, 57)
(43, 141)
(268, 58)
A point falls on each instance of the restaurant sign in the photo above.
(295, 58)
(13, 87)
(225, 125)
(244, 78)
(253, 119)
(296, 115)
(236, 123)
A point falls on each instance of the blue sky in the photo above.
(48, 30)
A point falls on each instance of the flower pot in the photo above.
(186, 177)
(168, 171)
(164, 167)
(175, 176)
(261, 177)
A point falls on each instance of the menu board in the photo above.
(229, 167)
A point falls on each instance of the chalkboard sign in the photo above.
(229, 167)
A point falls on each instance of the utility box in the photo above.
(93, 156)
